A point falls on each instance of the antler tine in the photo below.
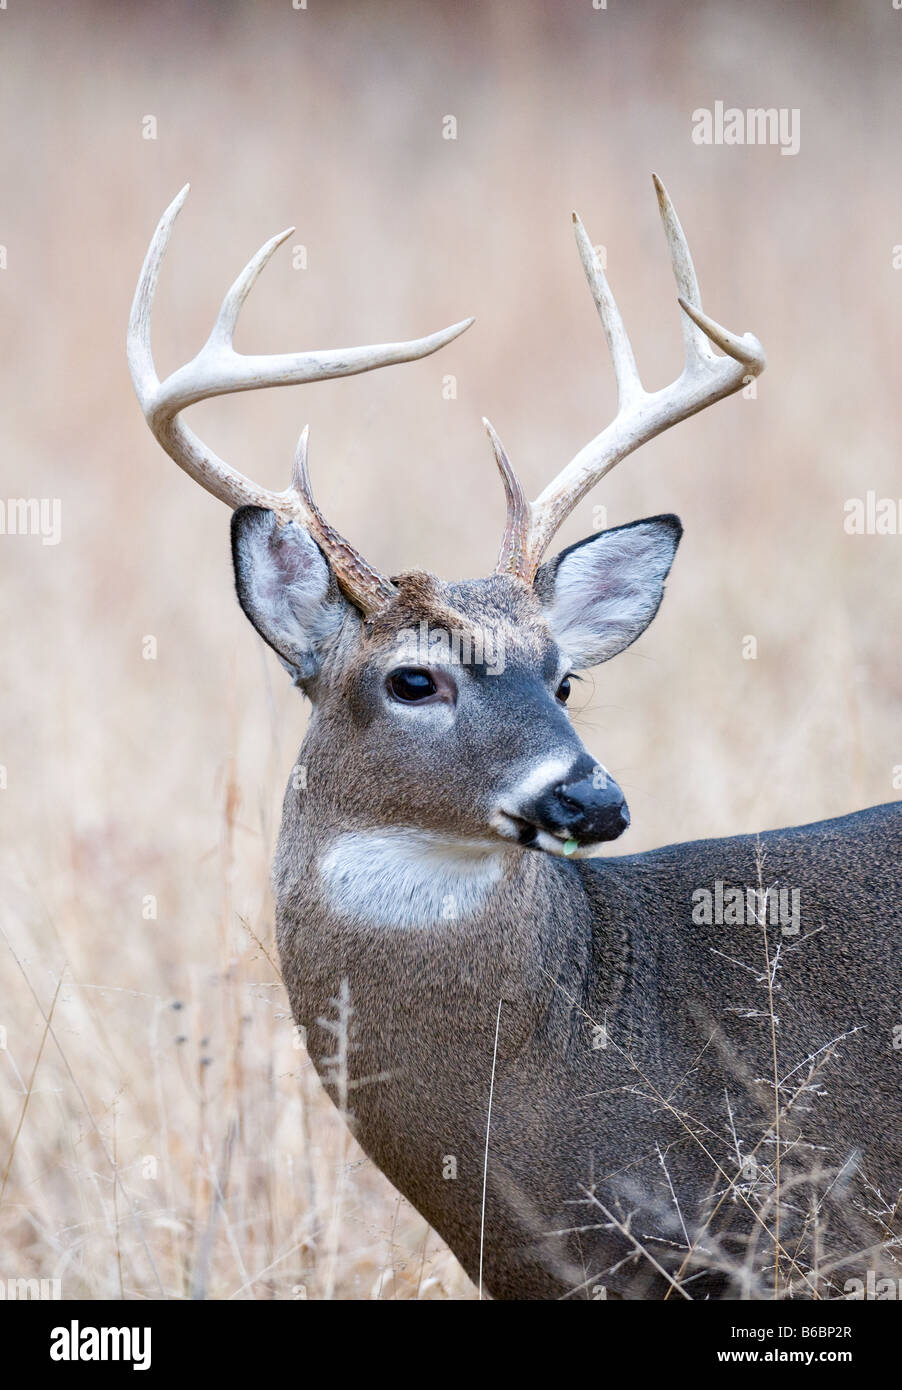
(516, 531)
(705, 378)
(219, 370)
(746, 349)
(140, 353)
(226, 320)
(695, 341)
(626, 372)
(371, 590)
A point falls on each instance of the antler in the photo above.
(218, 369)
(641, 414)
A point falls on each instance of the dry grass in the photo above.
(163, 1132)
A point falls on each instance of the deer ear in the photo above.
(603, 592)
(286, 588)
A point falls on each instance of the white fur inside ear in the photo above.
(607, 590)
(283, 584)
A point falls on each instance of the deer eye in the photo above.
(563, 691)
(409, 684)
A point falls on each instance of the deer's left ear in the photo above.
(601, 593)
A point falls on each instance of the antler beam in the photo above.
(706, 377)
(218, 369)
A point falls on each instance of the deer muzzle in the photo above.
(585, 807)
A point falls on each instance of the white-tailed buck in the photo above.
(669, 1074)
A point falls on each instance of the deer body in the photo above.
(686, 1060)
(586, 1072)
(627, 1029)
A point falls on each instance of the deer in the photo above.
(658, 1075)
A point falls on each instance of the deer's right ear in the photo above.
(286, 589)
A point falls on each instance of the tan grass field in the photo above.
(160, 1132)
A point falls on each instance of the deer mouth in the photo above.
(545, 839)
(526, 832)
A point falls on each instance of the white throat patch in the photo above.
(408, 878)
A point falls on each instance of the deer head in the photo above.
(439, 710)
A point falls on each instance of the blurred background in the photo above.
(163, 1134)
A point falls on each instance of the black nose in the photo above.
(586, 808)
